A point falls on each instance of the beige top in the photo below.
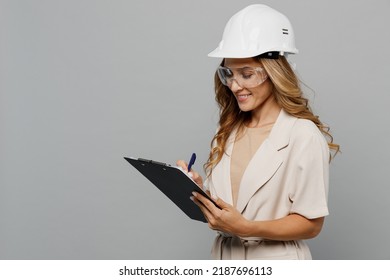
(244, 148)
(289, 173)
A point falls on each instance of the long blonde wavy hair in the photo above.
(288, 95)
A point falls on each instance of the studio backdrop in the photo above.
(85, 83)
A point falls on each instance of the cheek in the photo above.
(262, 92)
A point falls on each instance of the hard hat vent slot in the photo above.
(285, 31)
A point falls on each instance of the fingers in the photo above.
(210, 212)
(193, 174)
(210, 217)
(226, 219)
(207, 204)
(181, 163)
(204, 209)
(222, 204)
(197, 178)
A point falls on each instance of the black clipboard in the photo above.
(174, 183)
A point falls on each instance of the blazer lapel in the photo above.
(266, 161)
(260, 169)
(221, 173)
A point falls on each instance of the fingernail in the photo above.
(190, 174)
(192, 198)
(194, 193)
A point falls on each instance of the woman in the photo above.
(268, 166)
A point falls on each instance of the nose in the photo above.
(235, 86)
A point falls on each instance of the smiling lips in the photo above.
(243, 97)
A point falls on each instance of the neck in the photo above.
(266, 114)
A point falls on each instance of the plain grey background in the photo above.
(84, 83)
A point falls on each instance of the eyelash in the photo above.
(246, 76)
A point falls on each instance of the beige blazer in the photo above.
(289, 173)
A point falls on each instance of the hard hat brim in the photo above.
(244, 54)
(235, 54)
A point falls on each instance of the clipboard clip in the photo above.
(152, 161)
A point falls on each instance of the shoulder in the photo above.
(290, 130)
(306, 137)
(294, 127)
(304, 128)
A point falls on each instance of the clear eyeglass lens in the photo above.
(247, 77)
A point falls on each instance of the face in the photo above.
(248, 99)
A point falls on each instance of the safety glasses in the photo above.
(247, 77)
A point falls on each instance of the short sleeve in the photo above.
(309, 190)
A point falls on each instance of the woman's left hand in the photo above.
(226, 219)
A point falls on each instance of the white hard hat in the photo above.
(255, 30)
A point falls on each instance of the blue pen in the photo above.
(192, 161)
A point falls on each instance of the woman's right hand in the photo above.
(192, 173)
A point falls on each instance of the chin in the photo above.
(245, 108)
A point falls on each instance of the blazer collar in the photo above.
(263, 165)
(281, 131)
